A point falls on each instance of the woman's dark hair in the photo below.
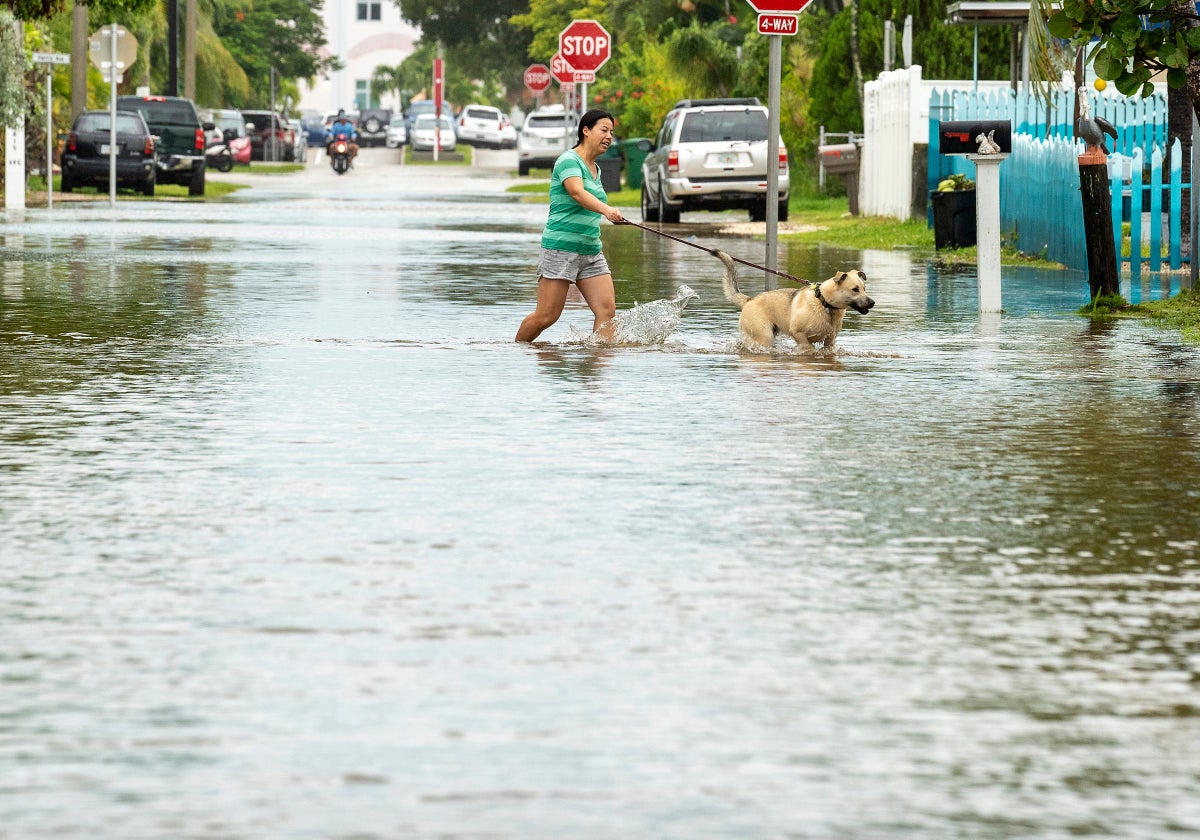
(589, 119)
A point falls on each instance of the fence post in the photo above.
(1176, 202)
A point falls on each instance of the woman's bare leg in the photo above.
(551, 297)
(602, 300)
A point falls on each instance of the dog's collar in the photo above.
(820, 297)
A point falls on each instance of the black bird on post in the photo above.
(1091, 130)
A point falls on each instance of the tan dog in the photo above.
(810, 315)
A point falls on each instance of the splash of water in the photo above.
(649, 323)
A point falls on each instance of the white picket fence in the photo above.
(895, 120)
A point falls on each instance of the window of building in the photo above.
(370, 10)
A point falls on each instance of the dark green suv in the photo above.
(180, 137)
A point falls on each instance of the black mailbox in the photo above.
(967, 137)
(839, 158)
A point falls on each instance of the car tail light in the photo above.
(199, 144)
(148, 149)
(72, 139)
(672, 163)
(783, 158)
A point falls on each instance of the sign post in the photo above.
(50, 59)
(439, 83)
(776, 18)
(586, 46)
(112, 49)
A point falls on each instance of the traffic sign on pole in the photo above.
(537, 78)
(101, 51)
(51, 58)
(585, 44)
(562, 71)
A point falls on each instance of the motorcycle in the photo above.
(339, 154)
(218, 155)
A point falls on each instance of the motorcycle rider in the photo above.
(343, 125)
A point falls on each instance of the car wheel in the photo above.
(666, 214)
(522, 168)
(196, 185)
(783, 210)
(148, 186)
(649, 211)
(67, 184)
(758, 212)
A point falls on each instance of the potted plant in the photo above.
(954, 212)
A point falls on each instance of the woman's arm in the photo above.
(574, 187)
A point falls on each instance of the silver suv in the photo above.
(544, 138)
(711, 154)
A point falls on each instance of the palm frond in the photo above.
(1049, 58)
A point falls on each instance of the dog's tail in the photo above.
(732, 293)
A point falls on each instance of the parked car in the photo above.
(373, 125)
(229, 126)
(424, 106)
(711, 154)
(179, 138)
(85, 155)
(299, 140)
(483, 125)
(424, 132)
(270, 139)
(543, 138)
(397, 133)
(314, 130)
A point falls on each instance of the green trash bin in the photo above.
(634, 150)
(610, 168)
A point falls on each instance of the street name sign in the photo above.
(51, 58)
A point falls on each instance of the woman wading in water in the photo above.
(571, 251)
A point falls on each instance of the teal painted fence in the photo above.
(1041, 209)
(1141, 122)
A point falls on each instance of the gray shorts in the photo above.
(567, 265)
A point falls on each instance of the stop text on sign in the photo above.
(588, 46)
(774, 24)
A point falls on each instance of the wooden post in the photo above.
(1097, 224)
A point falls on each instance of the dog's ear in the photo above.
(841, 277)
(862, 275)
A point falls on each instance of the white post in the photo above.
(49, 133)
(112, 119)
(14, 166)
(987, 229)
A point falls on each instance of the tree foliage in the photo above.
(1135, 40)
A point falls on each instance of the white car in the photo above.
(397, 132)
(543, 138)
(424, 134)
(483, 125)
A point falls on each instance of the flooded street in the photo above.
(296, 542)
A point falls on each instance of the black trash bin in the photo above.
(610, 172)
(953, 218)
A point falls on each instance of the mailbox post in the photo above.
(986, 143)
(842, 159)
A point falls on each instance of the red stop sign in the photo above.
(585, 45)
(562, 71)
(769, 6)
(537, 77)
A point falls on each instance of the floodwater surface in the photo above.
(295, 542)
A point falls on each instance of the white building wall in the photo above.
(361, 46)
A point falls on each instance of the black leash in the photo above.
(713, 251)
